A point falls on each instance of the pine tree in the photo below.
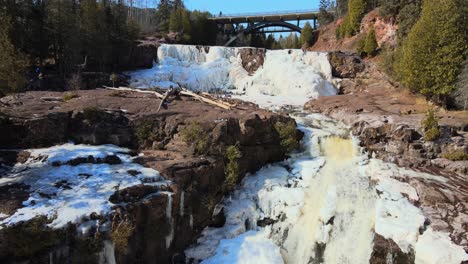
(341, 8)
(356, 11)
(434, 51)
(307, 34)
(12, 62)
(370, 46)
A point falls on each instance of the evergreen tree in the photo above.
(434, 51)
(370, 46)
(356, 11)
(12, 62)
(341, 8)
(307, 34)
(324, 17)
(163, 15)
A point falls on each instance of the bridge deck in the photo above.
(265, 17)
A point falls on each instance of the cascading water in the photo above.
(286, 77)
(336, 211)
(323, 205)
(107, 256)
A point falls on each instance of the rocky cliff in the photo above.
(190, 144)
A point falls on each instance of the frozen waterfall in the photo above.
(287, 77)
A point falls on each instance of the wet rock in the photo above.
(386, 251)
(12, 197)
(133, 194)
(252, 58)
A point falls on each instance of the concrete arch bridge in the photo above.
(234, 25)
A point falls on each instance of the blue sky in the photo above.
(250, 6)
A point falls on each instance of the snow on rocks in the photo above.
(249, 248)
(436, 247)
(287, 77)
(334, 197)
(68, 193)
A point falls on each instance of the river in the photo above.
(329, 200)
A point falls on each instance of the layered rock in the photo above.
(157, 222)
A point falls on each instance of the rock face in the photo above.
(345, 65)
(161, 226)
(141, 55)
(252, 59)
(388, 121)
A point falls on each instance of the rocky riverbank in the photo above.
(199, 150)
(387, 122)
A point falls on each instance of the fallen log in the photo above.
(184, 91)
(169, 92)
(215, 99)
(204, 99)
(52, 99)
(135, 90)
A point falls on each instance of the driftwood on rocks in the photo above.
(127, 89)
(206, 98)
(52, 99)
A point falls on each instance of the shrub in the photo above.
(209, 201)
(144, 132)
(114, 78)
(287, 133)
(387, 61)
(118, 94)
(195, 135)
(91, 113)
(456, 155)
(360, 45)
(120, 235)
(29, 238)
(233, 154)
(68, 96)
(431, 126)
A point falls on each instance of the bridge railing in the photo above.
(289, 12)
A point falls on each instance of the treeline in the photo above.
(432, 40)
(65, 37)
(194, 26)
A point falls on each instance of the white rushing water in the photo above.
(324, 204)
(287, 77)
(323, 207)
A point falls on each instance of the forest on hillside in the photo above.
(64, 36)
(432, 41)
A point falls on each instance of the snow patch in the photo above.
(249, 248)
(68, 194)
(436, 247)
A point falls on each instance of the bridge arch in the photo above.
(261, 25)
(253, 28)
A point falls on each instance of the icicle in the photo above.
(107, 256)
(181, 209)
(169, 237)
